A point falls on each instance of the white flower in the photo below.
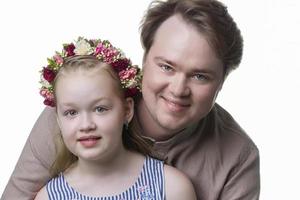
(44, 82)
(131, 83)
(82, 47)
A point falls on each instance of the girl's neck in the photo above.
(103, 167)
(114, 175)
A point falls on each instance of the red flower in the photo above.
(120, 65)
(70, 49)
(48, 74)
(130, 92)
(48, 102)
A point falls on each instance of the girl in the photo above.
(92, 86)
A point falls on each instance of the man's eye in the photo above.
(165, 67)
(200, 77)
(100, 109)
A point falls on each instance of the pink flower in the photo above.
(99, 48)
(48, 74)
(49, 98)
(43, 93)
(58, 59)
(127, 74)
(46, 93)
(70, 49)
(109, 54)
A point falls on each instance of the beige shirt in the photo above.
(217, 155)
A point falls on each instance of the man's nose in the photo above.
(179, 86)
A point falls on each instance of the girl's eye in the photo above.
(100, 109)
(70, 113)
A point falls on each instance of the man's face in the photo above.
(182, 77)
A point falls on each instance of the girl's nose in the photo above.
(87, 123)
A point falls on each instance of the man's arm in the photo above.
(32, 170)
(244, 181)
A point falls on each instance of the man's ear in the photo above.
(221, 85)
(218, 90)
(129, 109)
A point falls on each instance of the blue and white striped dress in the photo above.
(150, 185)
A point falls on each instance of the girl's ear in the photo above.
(129, 109)
(57, 120)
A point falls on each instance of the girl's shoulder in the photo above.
(57, 185)
(178, 185)
(42, 194)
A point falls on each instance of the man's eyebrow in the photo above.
(160, 58)
(204, 70)
(193, 70)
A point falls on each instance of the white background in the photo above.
(263, 94)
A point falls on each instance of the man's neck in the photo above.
(149, 127)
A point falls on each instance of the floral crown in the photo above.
(130, 75)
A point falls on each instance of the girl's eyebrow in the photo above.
(72, 104)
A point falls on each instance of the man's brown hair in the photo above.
(209, 17)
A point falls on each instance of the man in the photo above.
(190, 48)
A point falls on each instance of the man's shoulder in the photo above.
(219, 133)
(42, 135)
(45, 124)
(228, 128)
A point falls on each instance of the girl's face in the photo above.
(91, 114)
